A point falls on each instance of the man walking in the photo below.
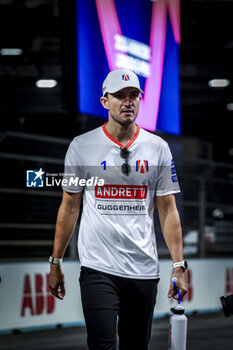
(116, 243)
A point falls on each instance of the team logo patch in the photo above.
(125, 77)
(142, 166)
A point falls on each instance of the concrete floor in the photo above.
(205, 332)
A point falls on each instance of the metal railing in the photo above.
(206, 208)
(28, 215)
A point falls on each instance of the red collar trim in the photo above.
(116, 141)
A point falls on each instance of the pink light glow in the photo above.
(110, 26)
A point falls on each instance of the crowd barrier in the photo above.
(26, 302)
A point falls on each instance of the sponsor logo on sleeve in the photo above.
(173, 172)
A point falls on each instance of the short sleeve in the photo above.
(167, 181)
(72, 170)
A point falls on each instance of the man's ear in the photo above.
(104, 102)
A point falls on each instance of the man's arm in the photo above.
(171, 228)
(66, 220)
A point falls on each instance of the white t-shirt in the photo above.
(116, 233)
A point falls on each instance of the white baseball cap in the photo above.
(119, 79)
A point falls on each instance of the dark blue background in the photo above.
(92, 67)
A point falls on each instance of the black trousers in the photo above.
(106, 299)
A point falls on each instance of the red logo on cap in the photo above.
(125, 77)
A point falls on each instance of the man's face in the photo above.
(123, 105)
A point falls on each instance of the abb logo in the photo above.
(229, 281)
(189, 294)
(40, 301)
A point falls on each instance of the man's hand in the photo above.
(57, 282)
(181, 284)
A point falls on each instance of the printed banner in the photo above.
(27, 302)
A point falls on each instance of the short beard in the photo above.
(124, 123)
